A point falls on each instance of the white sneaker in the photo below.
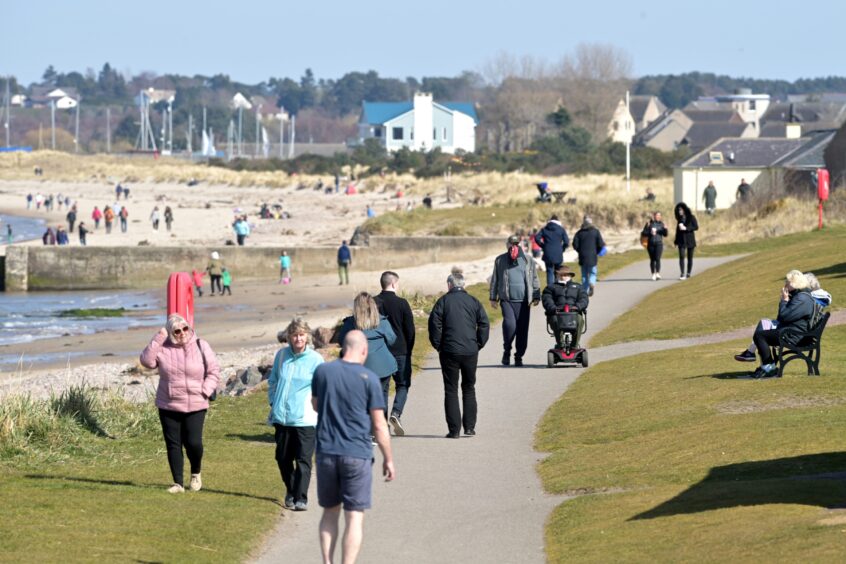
(653, 277)
(658, 276)
(682, 277)
(196, 483)
(175, 488)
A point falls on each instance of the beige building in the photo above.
(642, 111)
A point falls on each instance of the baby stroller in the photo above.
(563, 324)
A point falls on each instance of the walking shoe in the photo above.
(397, 425)
(687, 275)
(506, 358)
(301, 506)
(289, 502)
(745, 356)
(658, 275)
(765, 371)
(654, 276)
(470, 432)
(590, 291)
(196, 483)
(518, 361)
(453, 436)
(682, 276)
(175, 488)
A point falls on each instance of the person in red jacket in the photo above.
(188, 376)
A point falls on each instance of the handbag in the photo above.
(206, 369)
(644, 240)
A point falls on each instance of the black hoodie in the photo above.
(685, 238)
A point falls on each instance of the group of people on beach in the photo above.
(220, 277)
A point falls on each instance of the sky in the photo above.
(253, 41)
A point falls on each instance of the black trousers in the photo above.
(183, 430)
(215, 282)
(763, 339)
(294, 452)
(655, 252)
(515, 324)
(454, 368)
(689, 252)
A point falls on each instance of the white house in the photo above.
(420, 125)
(642, 111)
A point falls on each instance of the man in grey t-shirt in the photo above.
(349, 402)
(514, 283)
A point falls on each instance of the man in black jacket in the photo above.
(565, 292)
(398, 312)
(588, 243)
(458, 329)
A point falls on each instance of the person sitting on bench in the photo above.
(795, 311)
(564, 292)
(821, 297)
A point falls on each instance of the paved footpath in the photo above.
(475, 499)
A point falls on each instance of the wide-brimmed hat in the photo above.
(564, 270)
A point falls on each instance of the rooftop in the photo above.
(746, 153)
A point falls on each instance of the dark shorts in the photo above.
(344, 479)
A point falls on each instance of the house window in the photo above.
(397, 134)
(435, 133)
(616, 126)
(751, 105)
(445, 137)
(377, 132)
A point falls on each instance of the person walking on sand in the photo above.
(197, 278)
(108, 218)
(284, 268)
(83, 231)
(655, 231)
(344, 263)
(188, 377)
(215, 270)
(514, 285)
(709, 196)
(458, 329)
(226, 278)
(62, 236)
(588, 244)
(398, 312)
(685, 238)
(553, 240)
(49, 237)
(29, 200)
(155, 217)
(9, 235)
(71, 217)
(124, 215)
(349, 404)
(168, 217)
(96, 215)
(291, 412)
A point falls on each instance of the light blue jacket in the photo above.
(289, 388)
(242, 228)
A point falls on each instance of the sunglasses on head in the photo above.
(181, 330)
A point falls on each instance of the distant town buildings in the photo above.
(420, 125)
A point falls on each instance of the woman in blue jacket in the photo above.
(380, 335)
(291, 413)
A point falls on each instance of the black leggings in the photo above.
(183, 429)
(764, 339)
(215, 281)
(689, 251)
(655, 252)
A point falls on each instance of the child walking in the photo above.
(198, 282)
(227, 282)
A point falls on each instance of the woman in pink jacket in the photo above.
(189, 374)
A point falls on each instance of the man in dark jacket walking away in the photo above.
(514, 283)
(71, 217)
(565, 292)
(458, 329)
(655, 231)
(588, 243)
(685, 238)
(553, 240)
(344, 263)
(398, 312)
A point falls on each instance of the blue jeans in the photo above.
(550, 272)
(588, 277)
(402, 381)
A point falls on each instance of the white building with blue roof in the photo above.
(421, 124)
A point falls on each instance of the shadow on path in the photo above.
(127, 483)
(810, 479)
(258, 438)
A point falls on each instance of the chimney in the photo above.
(793, 130)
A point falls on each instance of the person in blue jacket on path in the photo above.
(553, 240)
(291, 412)
(344, 263)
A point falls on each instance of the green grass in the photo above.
(736, 294)
(93, 312)
(689, 463)
(71, 493)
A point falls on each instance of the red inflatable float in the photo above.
(180, 296)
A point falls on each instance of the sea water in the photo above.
(23, 228)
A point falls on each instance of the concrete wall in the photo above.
(97, 268)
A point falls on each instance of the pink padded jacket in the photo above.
(182, 386)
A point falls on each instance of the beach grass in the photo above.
(736, 294)
(675, 456)
(93, 312)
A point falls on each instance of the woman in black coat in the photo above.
(655, 231)
(685, 237)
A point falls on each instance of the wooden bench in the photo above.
(558, 196)
(806, 347)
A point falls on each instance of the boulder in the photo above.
(322, 337)
(251, 376)
(282, 336)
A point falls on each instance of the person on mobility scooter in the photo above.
(565, 303)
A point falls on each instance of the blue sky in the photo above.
(254, 40)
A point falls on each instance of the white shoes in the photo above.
(653, 277)
(658, 276)
(175, 488)
(196, 483)
(682, 277)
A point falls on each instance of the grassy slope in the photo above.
(707, 461)
(734, 295)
